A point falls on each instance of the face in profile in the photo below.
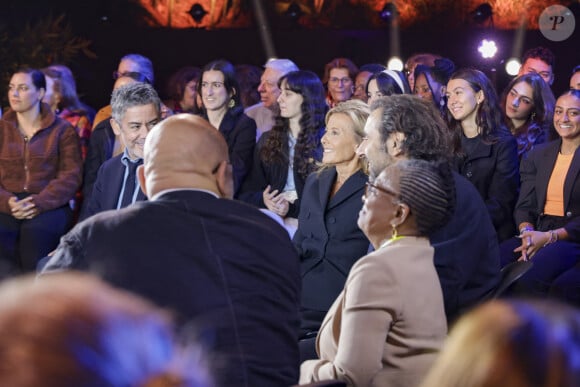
(567, 117)
(22, 94)
(340, 84)
(339, 141)
(519, 102)
(290, 102)
(189, 100)
(134, 127)
(51, 97)
(268, 87)
(373, 148)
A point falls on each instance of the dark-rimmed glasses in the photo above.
(373, 189)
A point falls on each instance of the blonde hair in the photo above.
(74, 330)
(516, 344)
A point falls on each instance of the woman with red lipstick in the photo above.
(528, 104)
(488, 156)
(40, 171)
(288, 153)
(548, 210)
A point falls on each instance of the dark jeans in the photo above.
(555, 273)
(24, 242)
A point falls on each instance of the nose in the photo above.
(324, 140)
(261, 87)
(280, 98)
(516, 102)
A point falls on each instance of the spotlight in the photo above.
(197, 12)
(512, 67)
(482, 13)
(389, 12)
(395, 63)
(487, 48)
(294, 11)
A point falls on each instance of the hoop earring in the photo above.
(232, 103)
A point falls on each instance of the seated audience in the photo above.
(182, 90)
(403, 127)
(425, 59)
(362, 78)
(328, 239)
(388, 324)
(219, 264)
(223, 109)
(40, 171)
(528, 105)
(548, 210)
(511, 343)
(248, 77)
(488, 156)
(339, 76)
(72, 330)
(136, 109)
(431, 82)
(288, 153)
(385, 83)
(539, 60)
(265, 112)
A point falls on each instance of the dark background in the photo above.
(116, 28)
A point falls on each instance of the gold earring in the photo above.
(232, 103)
(395, 236)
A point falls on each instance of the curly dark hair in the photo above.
(489, 118)
(539, 124)
(275, 148)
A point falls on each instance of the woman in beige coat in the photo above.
(388, 324)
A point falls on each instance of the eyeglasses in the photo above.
(373, 189)
(344, 80)
(215, 85)
(131, 74)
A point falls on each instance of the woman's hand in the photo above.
(22, 209)
(275, 202)
(532, 241)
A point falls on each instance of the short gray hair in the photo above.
(284, 66)
(133, 94)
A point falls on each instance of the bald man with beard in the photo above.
(222, 266)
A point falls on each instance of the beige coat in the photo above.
(387, 325)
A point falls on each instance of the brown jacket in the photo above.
(48, 165)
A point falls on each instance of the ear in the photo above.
(116, 127)
(225, 180)
(401, 214)
(142, 180)
(442, 91)
(479, 97)
(397, 148)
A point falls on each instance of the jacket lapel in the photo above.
(326, 179)
(571, 177)
(351, 186)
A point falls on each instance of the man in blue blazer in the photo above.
(135, 109)
(225, 268)
(466, 248)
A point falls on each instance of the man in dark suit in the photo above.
(135, 108)
(466, 249)
(221, 265)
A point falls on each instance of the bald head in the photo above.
(186, 151)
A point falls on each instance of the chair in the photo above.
(509, 275)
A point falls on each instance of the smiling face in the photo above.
(22, 94)
(380, 206)
(340, 84)
(340, 141)
(519, 103)
(462, 100)
(290, 102)
(134, 127)
(213, 91)
(567, 117)
(268, 87)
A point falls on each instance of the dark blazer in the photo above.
(101, 144)
(536, 169)
(328, 240)
(273, 174)
(466, 252)
(494, 171)
(107, 188)
(239, 130)
(219, 264)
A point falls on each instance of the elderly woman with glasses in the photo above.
(339, 76)
(388, 324)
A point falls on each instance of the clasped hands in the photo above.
(24, 208)
(532, 242)
(276, 201)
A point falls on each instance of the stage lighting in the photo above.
(482, 13)
(389, 12)
(395, 63)
(512, 67)
(294, 11)
(487, 49)
(197, 12)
